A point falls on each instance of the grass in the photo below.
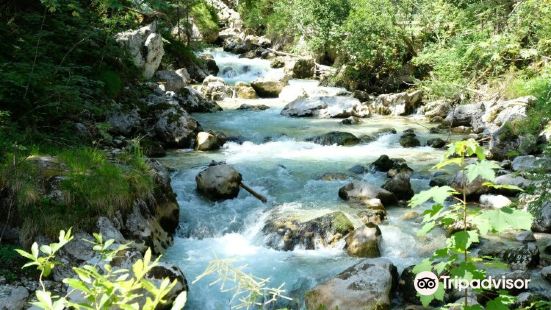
(89, 185)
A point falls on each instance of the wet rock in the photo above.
(546, 273)
(286, 232)
(300, 68)
(152, 148)
(219, 182)
(250, 107)
(193, 101)
(13, 297)
(364, 241)
(366, 285)
(208, 141)
(363, 192)
(397, 104)
(385, 163)
(145, 47)
(326, 107)
(494, 201)
(400, 184)
(358, 169)
(531, 163)
(173, 80)
(525, 237)
(214, 88)
(374, 214)
(542, 218)
(335, 137)
(210, 63)
(410, 215)
(436, 110)
(124, 123)
(244, 91)
(334, 176)
(265, 88)
(162, 271)
(352, 120)
(436, 143)
(406, 286)
(409, 140)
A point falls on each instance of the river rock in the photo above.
(385, 163)
(440, 178)
(13, 297)
(244, 91)
(358, 169)
(300, 68)
(253, 107)
(366, 285)
(214, 88)
(474, 188)
(519, 256)
(173, 80)
(210, 63)
(400, 184)
(352, 120)
(531, 163)
(266, 88)
(363, 192)
(208, 141)
(364, 241)
(145, 47)
(162, 271)
(511, 179)
(124, 123)
(465, 115)
(436, 110)
(286, 232)
(108, 230)
(494, 201)
(525, 236)
(334, 176)
(542, 218)
(436, 143)
(546, 273)
(326, 107)
(397, 104)
(335, 137)
(219, 182)
(193, 101)
(375, 214)
(409, 139)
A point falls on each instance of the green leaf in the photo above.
(452, 161)
(426, 228)
(424, 265)
(180, 301)
(504, 186)
(502, 219)
(462, 240)
(438, 193)
(483, 169)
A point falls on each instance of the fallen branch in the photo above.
(252, 192)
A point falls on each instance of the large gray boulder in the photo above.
(124, 123)
(13, 297)
(531, 163)
(163, 271)
(219, 182)
(466, 115)
(400, 184)
(366, 285)
(360, 191)
(397, 104)
(266, 88)
(326, 107)
(193, 101)
(335, 137)
(288, 231)
(214, 88)
(542, 219)
(173, 80)
(300, 68)
(175, 127)
(364, 241)
(244, 91)
(145, 47)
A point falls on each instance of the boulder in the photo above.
(266, 88)
(208, 141)
(531, 163)
(546, 273)
(542, 218)
(210, 63)
(253, 107)
(440, 178)
(366, 285)
(124, 123)
(300, 68)
(406, 287)
(325, 107)
(214, 88)
(525, 236)
(385, 163)
(219, 182)
(244, 91)
(364, 241)
(13, 297)
(163, 271)
(193, 101)
(173, 80)
(519, 256)
(436, 143)
(175, 128)
(288, 231)
(358, 169)
(108, 230)
(512, 179)
(409, 140)
(374, 214)
(397, 104)
(494, 201)
(465, 115)
(474, 188)
(363, 192)
(335, 137)
(436, 110)
(145, 47)
(47, 166)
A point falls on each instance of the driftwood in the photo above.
(252, 192)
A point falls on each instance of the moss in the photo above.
(205, 18)
(342, 224)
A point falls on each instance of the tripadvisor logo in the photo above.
(426, 283)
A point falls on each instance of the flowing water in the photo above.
(277, 162)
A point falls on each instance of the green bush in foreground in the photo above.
(454, 259)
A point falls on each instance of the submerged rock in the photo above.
(251, 107)
(409, 139)
(364, 241)
(219, 182)
(335, 137)
(325, 107)
(436, 143)
(352, 120)
(366, 285)
(286, 232)
(363, 192)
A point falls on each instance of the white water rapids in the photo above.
(276, 162)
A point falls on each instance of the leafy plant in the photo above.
(454, 258)
(102, 287)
